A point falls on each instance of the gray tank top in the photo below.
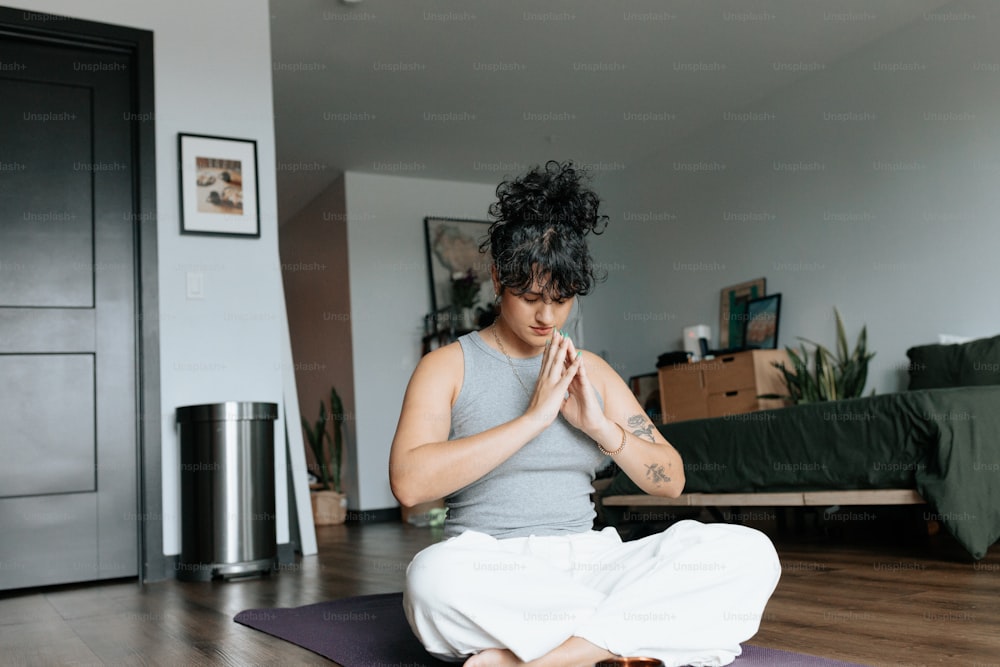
(545, 487)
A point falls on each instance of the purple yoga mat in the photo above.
(371, 630)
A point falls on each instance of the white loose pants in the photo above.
(687, 596)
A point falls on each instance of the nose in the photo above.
(545, 314)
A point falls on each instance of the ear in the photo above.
(496, 279)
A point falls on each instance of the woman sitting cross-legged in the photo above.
(510, 425)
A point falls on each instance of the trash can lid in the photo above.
(228, 411)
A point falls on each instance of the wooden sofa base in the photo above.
(784, 499)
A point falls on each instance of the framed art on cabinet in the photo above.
(761, 323)
(732, 311)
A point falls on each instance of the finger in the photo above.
(568, 340)
(580, 386)
(550, 354)
(571, 352)
(557, 363)
(570, 373)
(569, 356)
(582, 380)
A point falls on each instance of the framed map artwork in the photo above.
(455, 265)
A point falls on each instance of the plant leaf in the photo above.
(337, 413)
(841, 339)
(834, 376)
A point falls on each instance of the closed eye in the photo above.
(536, 299)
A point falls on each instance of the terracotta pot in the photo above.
(328, 507)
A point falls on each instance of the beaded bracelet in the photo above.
(620, 447)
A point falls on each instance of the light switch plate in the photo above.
(195, 285)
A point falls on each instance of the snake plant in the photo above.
(834, 376)
(318, 435)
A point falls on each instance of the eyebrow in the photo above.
(541, 295)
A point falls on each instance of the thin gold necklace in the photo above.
(496, 337)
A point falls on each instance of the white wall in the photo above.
(871, 186)
(390, 294)
(213, 76)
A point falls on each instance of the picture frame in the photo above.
(732, 311)
(218, 186)
(761, 323)
(453, 249)
(646, 388)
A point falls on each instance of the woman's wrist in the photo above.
(612, 438)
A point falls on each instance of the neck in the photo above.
(510, 344)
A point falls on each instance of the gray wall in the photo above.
(871, 185)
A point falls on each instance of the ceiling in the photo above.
(472, 90)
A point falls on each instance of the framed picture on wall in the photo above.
(459, 273)
(732, 311)
(218, 185)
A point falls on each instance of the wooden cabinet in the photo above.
(726, 385)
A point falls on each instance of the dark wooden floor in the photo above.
(860, 599)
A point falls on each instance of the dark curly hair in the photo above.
(541, 221)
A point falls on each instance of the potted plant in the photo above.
(834, 377)
(329, 502)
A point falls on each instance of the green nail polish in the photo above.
(579, 352)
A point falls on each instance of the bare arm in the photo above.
(424, 464)
(647, 458)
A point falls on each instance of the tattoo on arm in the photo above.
(656, 473)
(641, 427)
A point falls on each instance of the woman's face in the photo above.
(532, 317)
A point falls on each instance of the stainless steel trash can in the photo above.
(227, 490)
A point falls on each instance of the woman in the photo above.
(510, 424)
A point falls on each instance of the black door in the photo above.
(68, 430)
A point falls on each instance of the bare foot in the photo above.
(493, 657)
(573, 652)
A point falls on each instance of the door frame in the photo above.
(138, 45)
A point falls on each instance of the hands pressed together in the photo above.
(564, 387)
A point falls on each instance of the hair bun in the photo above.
(541, 221)
(557, 194)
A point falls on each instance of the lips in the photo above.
(542, 331)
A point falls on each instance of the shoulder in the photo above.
(605, 378)
(437, 378)
(439, 371)
(599, 369)
(445, 359)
